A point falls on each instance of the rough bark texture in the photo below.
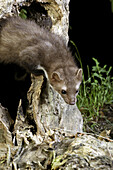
(51, 112)
(54, 112)
(57, 151)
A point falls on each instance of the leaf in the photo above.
(96, 61)
(23, 14)
(96, 75)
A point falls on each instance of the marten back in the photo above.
(24, 43)
(15, 35)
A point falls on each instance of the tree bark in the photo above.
(51, 112)
(56, 114)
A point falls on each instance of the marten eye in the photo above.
(77, 91)
(63, 91)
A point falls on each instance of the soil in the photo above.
(103, 123)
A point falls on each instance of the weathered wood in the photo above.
(51, 112)
(54, 112)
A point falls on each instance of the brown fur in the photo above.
(24, 43)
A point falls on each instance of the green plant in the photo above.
(97, 90)
(23, 14)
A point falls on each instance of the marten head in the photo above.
(66, 82)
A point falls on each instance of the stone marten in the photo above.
(26, 44)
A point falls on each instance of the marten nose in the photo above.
(72, 102)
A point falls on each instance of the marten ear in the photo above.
(56, 76)
(79, 74)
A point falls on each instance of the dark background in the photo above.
(92, 30)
